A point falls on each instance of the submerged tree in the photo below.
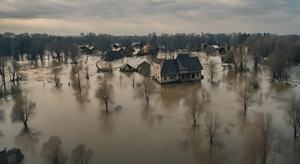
(52, 151)
(294, 117)
(212, 127)
(28, 139)
(105, 93)
(75, 77)
(3, 69)
(245, 94)
(212, 69)
(196, 106)
(56, 70)
(278, 64)
(23, 110)
(81, 155)
(74, 54)
(264, 136)
(148, 88)
(14, 71)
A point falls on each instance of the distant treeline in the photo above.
(259, 44)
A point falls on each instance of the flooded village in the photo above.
(170, 98)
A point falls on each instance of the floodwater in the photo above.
(133, 132)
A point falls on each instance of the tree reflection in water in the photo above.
(28, 139)
(52, 151)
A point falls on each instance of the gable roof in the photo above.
(187, 63)
(169, 67)
(182, 64)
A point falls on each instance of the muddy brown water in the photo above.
(161, 132)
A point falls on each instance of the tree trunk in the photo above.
(25, 124)
(106, 106)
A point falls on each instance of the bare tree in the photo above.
(23, 110)
(87, 72)
(52, 151)
(294, 117)
(75, 54)
(212, 69)
(264, 136)
(133, 80)
(245, 94)
(149, 89)
(56, 70)
(212, 126)
(28, 139)
(81, 155)
(2, 69)
(13, 69)
(105, 93)
(75, 77)
(196, 106)
(241, 58)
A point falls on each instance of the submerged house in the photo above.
(183, 68)
(127, 68)
(88, 49)
(144, 68)
(112, 55)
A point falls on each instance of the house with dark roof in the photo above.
(183, 68)
(127, 68)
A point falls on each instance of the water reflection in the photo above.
(160, 123)
(171, 94)
(52, 151)
(149, 116)
(80, 83)
(28, 139)
(105, 93)
(205, 140)
(2, 117)
(81, 155)
(107, 121)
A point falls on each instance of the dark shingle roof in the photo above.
(183, 63)
(169, 67)
(187, 63)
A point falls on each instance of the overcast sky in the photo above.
(70, 17)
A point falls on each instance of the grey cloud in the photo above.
(196, 12)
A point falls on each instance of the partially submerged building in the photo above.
(87, 48)
(183, 68)
(127, 68)
(144, 68)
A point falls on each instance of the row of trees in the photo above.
(278, 52)
(34, 44)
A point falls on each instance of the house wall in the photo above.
(144, 69)
(157, 72)
(181, 77)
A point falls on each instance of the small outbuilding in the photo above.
(144, 68)
(127, 68)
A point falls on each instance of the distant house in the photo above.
(153, 50)
(112, 55)
(87, 48)
(127, 68)
(144, 68)
(183, 68)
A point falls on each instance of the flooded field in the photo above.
(134, 132)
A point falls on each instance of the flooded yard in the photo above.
(134, 132)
